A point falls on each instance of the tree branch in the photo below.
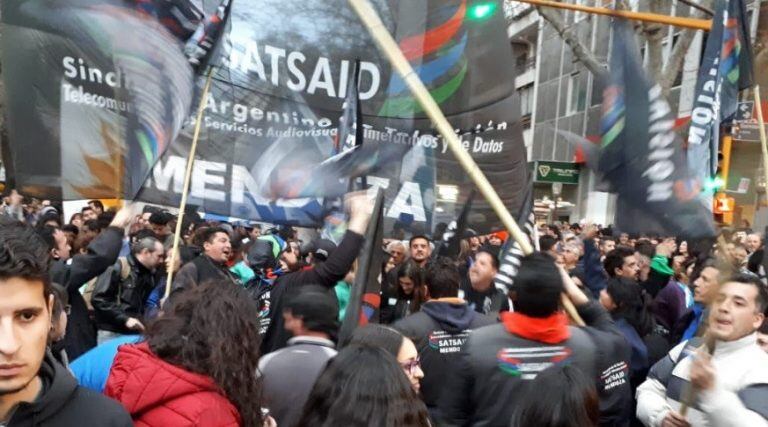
(679, 50)
(581, 52)
(699, 7)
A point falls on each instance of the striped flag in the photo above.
(513, 254)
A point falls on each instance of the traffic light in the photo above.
(719, 181)
(481, 10)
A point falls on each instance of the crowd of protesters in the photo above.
(666, 332)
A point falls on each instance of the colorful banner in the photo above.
(276, 102)
(95, 94)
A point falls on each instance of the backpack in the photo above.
(125, 272)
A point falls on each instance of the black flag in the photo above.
(513, 254)
(365, 296)
(641, 156)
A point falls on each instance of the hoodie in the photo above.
(439, 331)
(63, 403)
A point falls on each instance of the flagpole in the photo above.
(761, 125)
(187, 179)
(677, 21)
(389, 46)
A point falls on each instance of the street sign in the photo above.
(746, 131)
(745, 111)
(743, 185)
(562, 172)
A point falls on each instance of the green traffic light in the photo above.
(482, 10)
(713, 184)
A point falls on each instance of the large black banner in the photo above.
(277, 96)
(95, 92)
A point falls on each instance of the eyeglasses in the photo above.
(411, 366)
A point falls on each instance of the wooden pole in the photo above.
(763, 139)
(187, 179)
(677, 21)
(389, 46)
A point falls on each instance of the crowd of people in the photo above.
(667, 332)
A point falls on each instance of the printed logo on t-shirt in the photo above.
(447, 343)
(526, 363)
(264, 319)
(616, 375)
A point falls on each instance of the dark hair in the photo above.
(105, 219)
(317, 308)
(92, 225)
(607, 239)
(363, 386)
(547, 242)
(571, 400)
(69, 228)
(143, 234)
(413, 271)
(75, 215)
(443, 279)
(211, 330)
(208, 234)
(159, 218)
(761, 300)
(615, 259)
(418, 236)
(645, 248)
(632, 304)
(49, 216)
(555, 229)
(537, 287)
(377, 335)
(47, 234)
(24, 254)
(96, 203)
(492, 252)
(85, 208)
(60, 299)
(763, 329)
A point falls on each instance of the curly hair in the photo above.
(212, 329)
(24, 254)
(363, 386)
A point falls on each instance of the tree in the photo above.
(665, 73)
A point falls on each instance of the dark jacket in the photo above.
(496, 367)
(115, 300)
(490, 303)
(63, 403)
(439, 331)
(201, 270)
(289, 374)
(102, 252)
(395, 309)
(324, 274)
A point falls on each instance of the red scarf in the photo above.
(550, 330)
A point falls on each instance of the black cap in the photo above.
(322, 249)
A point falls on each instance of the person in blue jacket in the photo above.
(92, 368)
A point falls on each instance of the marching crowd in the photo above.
(666, 332)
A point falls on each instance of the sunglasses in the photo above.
(410, 367)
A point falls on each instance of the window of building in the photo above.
(526, 100)
(576, 97)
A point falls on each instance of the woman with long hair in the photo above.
(394, 343)
(409, 293)
(197, 366)
(571, 400)
(363, 386)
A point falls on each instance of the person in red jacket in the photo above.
(197, 366)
